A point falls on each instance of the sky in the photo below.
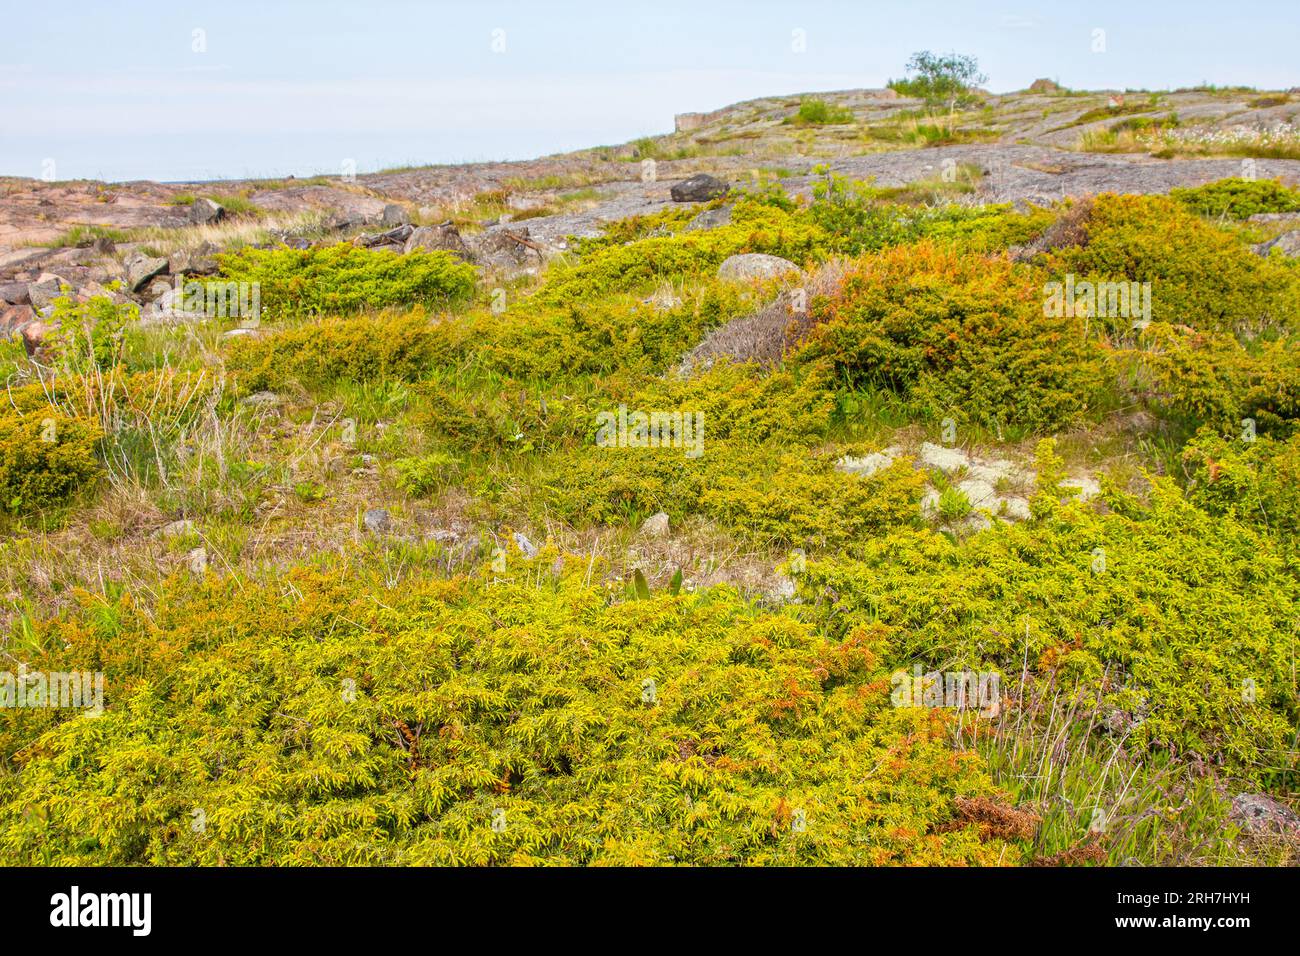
(197, 91)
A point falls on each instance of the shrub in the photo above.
(766, 494)
(1238, 198)
(1182, 621)
(341, 279)
(757, 475)
(959, 335)
(816, 112)
(401, 347)
(88, 335)
(1200, 275)
(45, 457)
(1212, 378)
(603, 334)
(858, 217)
(1255, 482)
(941, 79)
(426, 474)
(333, 720)
(755, 226)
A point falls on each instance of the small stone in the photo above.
(263, 399)
(42, 294)
(1088, 487)
(15, 293)
(443, 237)
(979, 493)
(655, 526)
(1288, 244)
(377, 520)
(177, 529)
(1016, 508)
(710, 219)
(991, 470)
(782, 589)
(14, 318)
(523, 544)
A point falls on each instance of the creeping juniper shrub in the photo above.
(1201, 275)
(45, 457)
(343, 279)
(1183, 621)
(960, 335)
(1238, 198)
(508, 718)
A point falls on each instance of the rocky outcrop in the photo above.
(995, 487)
(442, 237)
(141, 268)
(508, 248)
(203, 211)
(765, 336)
(1287, 244)
(710, 219)
(1258, 814)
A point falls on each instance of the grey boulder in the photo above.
(755, 265)
(699, 188)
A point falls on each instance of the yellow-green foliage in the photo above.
(1255, 481)
(88, 335)
(56, 435)
(755, 227)
(531, 339)
(404, 347)
(332, 720)
(757, 474)
(45, 456)
(858, 217)
(960, 335)
(602, 334)
(1183, 620)
(1213, 378)
(330, 715)
(1238, 198)
(340, 279)
(1200, 275)
(816, 112)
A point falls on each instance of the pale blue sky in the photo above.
(119, 91)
